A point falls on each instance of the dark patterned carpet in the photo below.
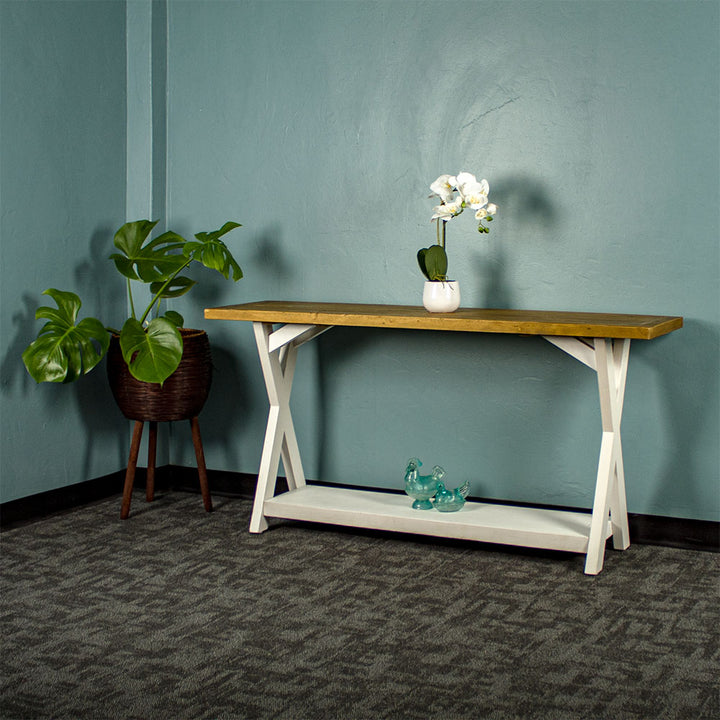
(178, 614)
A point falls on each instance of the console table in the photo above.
(600, 341)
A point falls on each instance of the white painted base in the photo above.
(503, 524)
(558, 530)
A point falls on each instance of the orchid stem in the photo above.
(440, 236)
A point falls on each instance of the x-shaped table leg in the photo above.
(612, 361)
(609, 359)
(277, 350)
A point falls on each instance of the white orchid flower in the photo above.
(446, 211)
(465, 178)
(487, 211)
(444, 187)
(475, 198)
(474, 193)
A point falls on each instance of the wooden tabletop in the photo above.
(516, 322)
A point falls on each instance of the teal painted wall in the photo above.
(62, 193)
(320, 125)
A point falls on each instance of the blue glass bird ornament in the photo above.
(450, 500)
(421, 488)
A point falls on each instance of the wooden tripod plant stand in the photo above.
(150, 481)
(181, 397)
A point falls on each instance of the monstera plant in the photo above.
(150, 341)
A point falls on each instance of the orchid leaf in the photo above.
(64, 350)
(152, 354)
(433, 262)
(421, 262)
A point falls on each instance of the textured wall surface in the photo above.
(62, 188)
(319, 126)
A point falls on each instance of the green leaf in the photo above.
(63, 350)
(433, 262)
(421, 262)
(153, 353)
(213, 253)
(151, 261)
(178, 286)
(175, 318)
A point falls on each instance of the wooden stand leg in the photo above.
(200, 457)
(130, 472)
(152, 450)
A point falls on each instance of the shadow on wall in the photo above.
(12, 369)
(687, 423)
(91, 395)
(523, 204)
(263, 253)
(230, 403)
(334, 351)
(103, 296)
(269, 254)
(536, 432)
(527, 198)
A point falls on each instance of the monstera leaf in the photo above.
(152, 354)
(149, 262)
(213, 253)
(152, 349)
(172, 288)
(64, 350)
(175, 318)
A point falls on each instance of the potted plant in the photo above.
(439, 293)
(151, 343)
(158, 370)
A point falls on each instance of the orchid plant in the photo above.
(471, 193)
(150, 341)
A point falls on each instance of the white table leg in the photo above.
(277, 350)
(609, 359)
(612, 363)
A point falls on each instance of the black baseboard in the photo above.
(644, 529)
(169, 477)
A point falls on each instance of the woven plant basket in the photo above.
(181, 397)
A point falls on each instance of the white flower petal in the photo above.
(443, 188)
(442, 212)
(491, 209)
(465, 178)
(448, 210)
(475, 198)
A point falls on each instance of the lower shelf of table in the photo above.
(484, 522)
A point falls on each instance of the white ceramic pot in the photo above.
(441, 297)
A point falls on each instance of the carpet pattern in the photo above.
(177, 613)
